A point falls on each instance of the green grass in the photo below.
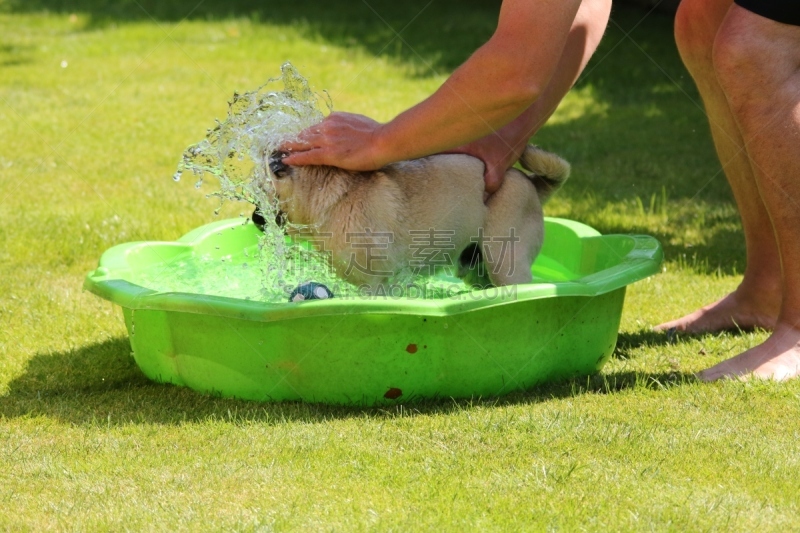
(88, 150)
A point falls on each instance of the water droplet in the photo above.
(177, 176)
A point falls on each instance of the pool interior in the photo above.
(228, 263)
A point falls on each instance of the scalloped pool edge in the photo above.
(642, 258)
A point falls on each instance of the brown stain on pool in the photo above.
(393, 393)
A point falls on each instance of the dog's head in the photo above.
(283, 185)
(304, 193)
(279, 170)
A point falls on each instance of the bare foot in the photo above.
(732, 312)
(777, 358)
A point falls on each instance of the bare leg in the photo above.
(758, 65)
(755, 303)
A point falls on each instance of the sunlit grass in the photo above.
(97, 102)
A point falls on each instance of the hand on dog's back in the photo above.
(497, 158)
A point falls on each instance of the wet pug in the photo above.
(412, 216)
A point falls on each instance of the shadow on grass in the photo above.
(629, 342)
(14, 55)
(721, 252)
(434, 36)
(101, 385)
(442, 33)
(620, 381)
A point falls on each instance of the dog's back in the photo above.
(422, 207)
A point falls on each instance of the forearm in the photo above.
(515, 134)
(584, 37)
(455, 114)
(469, 105)
(507, 87)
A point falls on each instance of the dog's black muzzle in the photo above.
(277, 167)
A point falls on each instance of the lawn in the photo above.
(98, 99)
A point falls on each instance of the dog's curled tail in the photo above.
(549, 172)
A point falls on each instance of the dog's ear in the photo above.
(277, 167)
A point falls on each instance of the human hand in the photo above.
(344, 140)
(497, 156)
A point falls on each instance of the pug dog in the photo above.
(414, 216)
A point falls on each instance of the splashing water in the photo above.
(235, 153)
(258, 123)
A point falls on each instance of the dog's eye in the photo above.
(276, 165)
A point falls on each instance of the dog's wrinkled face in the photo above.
(277, 189)
(282, 181)
(304, 192)
(290, 186)
(277, 167)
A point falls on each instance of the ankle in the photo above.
(761, 293)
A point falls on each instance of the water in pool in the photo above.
(241, 275)
(233, 155)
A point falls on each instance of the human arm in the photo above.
(501, 149)
(493, 87)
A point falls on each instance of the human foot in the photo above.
(777, 358)
(731, 312)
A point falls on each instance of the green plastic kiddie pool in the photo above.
(377, 350)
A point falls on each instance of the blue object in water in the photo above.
(310, 291)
